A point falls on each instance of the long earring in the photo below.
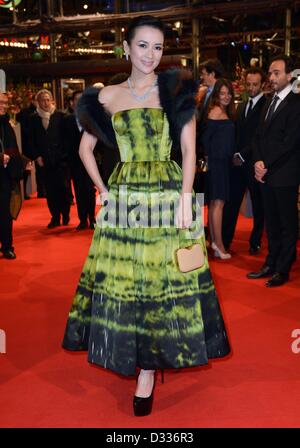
(126, 56)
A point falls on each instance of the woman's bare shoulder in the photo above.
(108, 93)
(216, 113)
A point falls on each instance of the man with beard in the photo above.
(277, 168)
(47, 137)
(242, 172)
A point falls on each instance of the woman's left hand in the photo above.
(184, 213)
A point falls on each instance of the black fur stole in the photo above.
(93, 117)
(177, 91)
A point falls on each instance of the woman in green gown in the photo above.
(133, 308)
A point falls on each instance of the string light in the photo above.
(91, 51)
(6, 43)
(13, 44)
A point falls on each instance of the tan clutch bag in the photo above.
(190, 258)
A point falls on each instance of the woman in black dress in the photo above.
(219, 141)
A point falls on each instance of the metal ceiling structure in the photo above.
(53, 19)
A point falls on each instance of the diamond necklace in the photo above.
(145, 95)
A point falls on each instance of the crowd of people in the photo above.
(50, 138)
(135, 308)
(227, 139)
(254, 147)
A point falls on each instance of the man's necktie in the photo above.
(272, 108)
(250, 106)
(208, 93)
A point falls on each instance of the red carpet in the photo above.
(41, 385)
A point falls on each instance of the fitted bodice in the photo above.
(142, 134)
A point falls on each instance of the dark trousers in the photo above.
(25, 179)
(242, 178)
(57, 191)
(281, 215)
(85, 194)
(69, 184)
(40, 180)
(6, 222)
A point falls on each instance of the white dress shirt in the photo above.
(78, 124)
(255, 99)
(282, 94)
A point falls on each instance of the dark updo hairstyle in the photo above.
(146, 20)
(214, 99)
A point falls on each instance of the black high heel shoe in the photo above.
(143, 406)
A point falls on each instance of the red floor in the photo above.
(41, 385)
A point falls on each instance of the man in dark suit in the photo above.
(277, 168)
(12, 166)
(47, 147)
(23, 117)
(242, 173)
(210, 71)
(83, 185)
(7, 140)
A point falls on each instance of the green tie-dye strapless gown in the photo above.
(133, 307)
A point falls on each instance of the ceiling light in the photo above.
(218, 19)
(271, 38)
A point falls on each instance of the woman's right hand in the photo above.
(104, 196)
